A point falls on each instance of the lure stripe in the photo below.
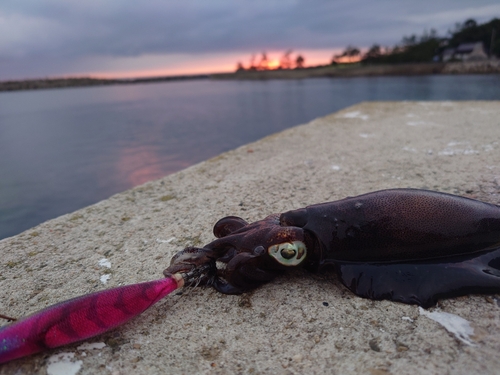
(93, 317)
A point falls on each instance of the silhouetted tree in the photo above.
(409, 40)
(252, 63)
(350, 52)
(411, 49)
(353, 52)
(264, 62)
(469, 23)
(299, 62)
(373, 53)
(428, 35)
(285, 61)
(239, 67)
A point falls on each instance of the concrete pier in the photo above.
(300, 323)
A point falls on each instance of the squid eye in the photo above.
(288, 253)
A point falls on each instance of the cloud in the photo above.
(74, 31)
(482, 13)
(22, 35)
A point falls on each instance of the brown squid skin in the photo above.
(397, 224)
(407, 245)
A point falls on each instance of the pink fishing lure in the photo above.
(81, 318)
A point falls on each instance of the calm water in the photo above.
(61, 150)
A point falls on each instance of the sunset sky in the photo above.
(51, 38)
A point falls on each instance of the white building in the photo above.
(465, 52)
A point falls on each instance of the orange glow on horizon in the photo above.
(348, 59)
(209, 64)
(150, 73)
(271, 65)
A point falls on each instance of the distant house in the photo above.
(465, 52)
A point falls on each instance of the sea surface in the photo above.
(64, 149)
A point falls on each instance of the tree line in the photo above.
(429, 46)
(412, 49)
(285, 62)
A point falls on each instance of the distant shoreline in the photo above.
(56, 83)
(347, 70)
(358, 70)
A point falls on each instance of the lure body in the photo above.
(407, 245)
(80, 318)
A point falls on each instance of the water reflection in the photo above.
(64, 149)
(139, 164)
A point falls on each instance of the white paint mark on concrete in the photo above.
(356, 114)
(104, 278)
(407, 318)
(159, 240)
(454, 324)
(409, 149)
(366, 135)
(91, 346)
(458, 148)
(335, 167)
(458, 151)
(446, 152)
(490, 147)
(105, 263)
(470, 151)
(63, 364)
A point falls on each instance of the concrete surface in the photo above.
(284, 327)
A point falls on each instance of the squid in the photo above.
(406, 245)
